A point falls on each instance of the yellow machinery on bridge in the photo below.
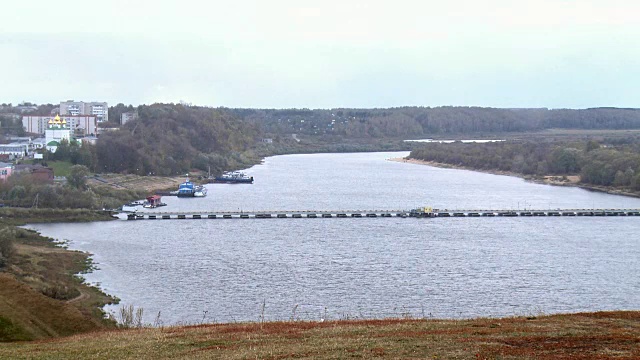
(426, 211)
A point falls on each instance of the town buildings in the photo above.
(14, 150)
(81, 117)
(36, 172)
(81, 125)
(5, 171)
(19, 147)
(98, 109)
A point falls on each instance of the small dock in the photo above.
(415, 213)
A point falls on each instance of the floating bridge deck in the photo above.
(416, 213)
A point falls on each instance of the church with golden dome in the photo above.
(57, 130)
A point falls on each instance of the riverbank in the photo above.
(600, 335)
(15, 216)
(571, 180)
(41, 294)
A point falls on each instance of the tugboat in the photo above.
(233, 177)
(189, 189)
(186, 189)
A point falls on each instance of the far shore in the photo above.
(570, 180)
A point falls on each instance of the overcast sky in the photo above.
(323, 54)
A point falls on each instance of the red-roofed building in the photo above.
(37, 172)
(154, 201)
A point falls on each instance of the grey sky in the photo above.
(321, 54)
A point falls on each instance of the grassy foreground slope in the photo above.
(40, 294)
(604, 335)
(26, 314)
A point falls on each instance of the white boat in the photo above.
(129, 208)
(200, 191)
(233, 177)
(132, 206)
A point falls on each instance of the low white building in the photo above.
(24, 142)
(20, 139)
(15, 150)
(38, 143)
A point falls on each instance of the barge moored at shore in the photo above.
(233, 177)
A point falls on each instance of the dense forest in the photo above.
(615, 165)
(400, 122)
(173, 139)
(413, 122)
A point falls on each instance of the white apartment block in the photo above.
(82, 125)
(75, 108)
(35, 124)
(128, 116)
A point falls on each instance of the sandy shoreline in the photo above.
(546, 180)
(449, 166)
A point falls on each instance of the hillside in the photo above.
(40, 294)
(26, 314)
(606, 335)
(172, 139)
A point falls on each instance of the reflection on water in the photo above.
(370, 267)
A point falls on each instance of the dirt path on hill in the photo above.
(83, 296)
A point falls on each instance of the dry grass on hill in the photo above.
(136, 182)
(606, 335)
(27, 314)
(39, 295)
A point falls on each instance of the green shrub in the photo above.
(60, 292)
(6, 246)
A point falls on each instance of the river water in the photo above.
(277, 269)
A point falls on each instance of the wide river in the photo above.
(245, 270)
